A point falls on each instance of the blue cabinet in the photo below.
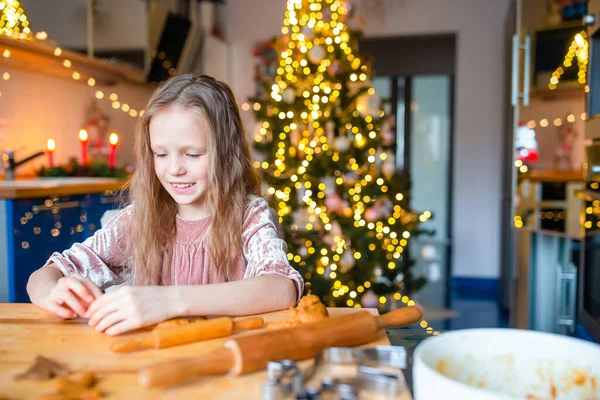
(35, 228)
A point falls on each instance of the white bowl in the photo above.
(494, 364)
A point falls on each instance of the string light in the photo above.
(544, 123)
(14, 24)
(578, 49)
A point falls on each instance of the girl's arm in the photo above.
(249, 296)
(133, 307)
(64, 297)
(65, 283)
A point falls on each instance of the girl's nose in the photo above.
(176, 167)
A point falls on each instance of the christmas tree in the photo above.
(13, 19)
(328, 161)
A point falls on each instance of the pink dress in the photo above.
(102, 259)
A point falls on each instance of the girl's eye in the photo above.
(159, 155)
(193, 155)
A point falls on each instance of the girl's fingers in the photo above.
(109, 320)
(73, 302)
(121, 327)
(100, 309)
(91, 286)
(81, 290)
(60, 311)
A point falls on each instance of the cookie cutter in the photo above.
(286, 380)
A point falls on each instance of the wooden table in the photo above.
(26, 331)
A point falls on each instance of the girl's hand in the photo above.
(71, 296)
(128, 308)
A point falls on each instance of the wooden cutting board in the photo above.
(26, 331)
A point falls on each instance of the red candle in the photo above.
(113, 140)
(83, 137)
(50, 147)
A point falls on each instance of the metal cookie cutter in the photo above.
(287, 380)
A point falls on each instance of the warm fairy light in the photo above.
(51, 145)
(578, 49)
(113, 139)
(14, 23)
(83, 135)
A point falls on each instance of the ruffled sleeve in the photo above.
(101, 257)
(264, 251)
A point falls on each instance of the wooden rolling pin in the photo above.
(181, 334)
(252, 352)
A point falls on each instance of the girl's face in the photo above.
(179, 142)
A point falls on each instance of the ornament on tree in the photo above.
(372, 214)
(369, 300)
(341, 144)
(336, 229)
(328, 240)
(289, 95)
(316, 54)
(350, 178)
(385, 207)
(399, 279)
(354, 87)
(302, 251)
(295, 137)
(301, 219)
(308, 32)
(334, 68)
(347, 210)
(329, 182)
(330, 129)
(334, 203)
(388, 168)
(347, 260)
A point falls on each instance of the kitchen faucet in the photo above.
(9, 164)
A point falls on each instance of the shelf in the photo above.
(562, 91)
(552, 175)
(38, 56)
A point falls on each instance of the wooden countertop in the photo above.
(44, 187)
(26, 331)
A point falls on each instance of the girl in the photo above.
(196, 239)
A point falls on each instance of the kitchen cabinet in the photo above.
(33, 228)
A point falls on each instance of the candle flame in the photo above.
(83, 135)
(113, 139)
(51, 145)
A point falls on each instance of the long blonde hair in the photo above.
(232, 178)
